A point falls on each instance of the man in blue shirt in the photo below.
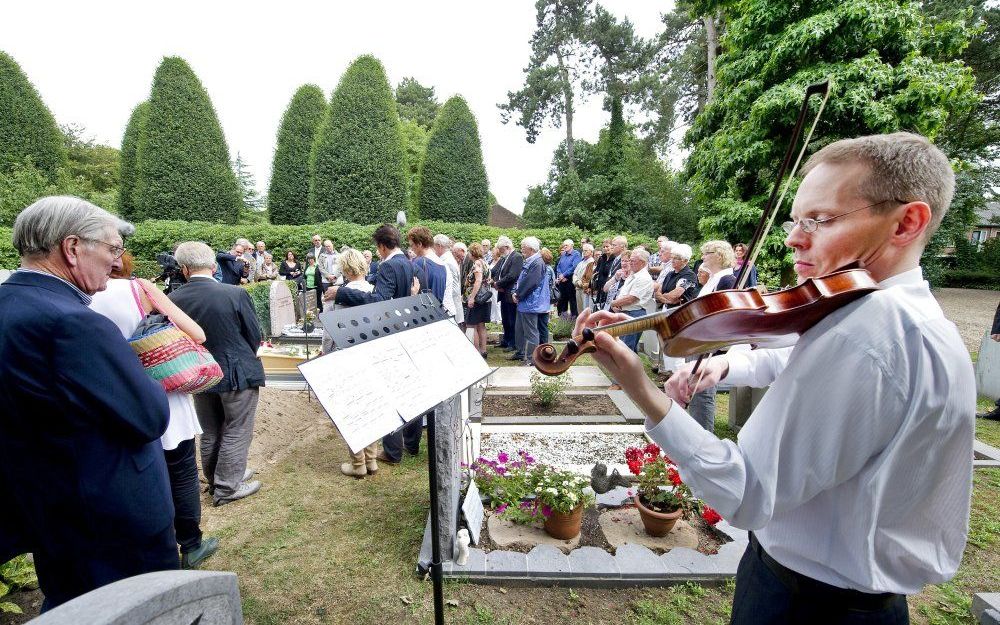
(569, 258)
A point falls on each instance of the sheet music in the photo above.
(466, 363)
(410, 388)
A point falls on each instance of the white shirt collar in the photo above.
(910, 276)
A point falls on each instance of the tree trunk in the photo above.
(711, 45)
(568, 95)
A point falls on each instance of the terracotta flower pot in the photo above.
(564, 525)
(657, 523)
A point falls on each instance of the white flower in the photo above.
(565, 483)
(552, 490)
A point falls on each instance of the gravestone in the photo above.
(163, 598)
(988, 368)
(282, 307)
(742, 401)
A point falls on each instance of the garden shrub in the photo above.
(561, 327)
(288, 194)
(357, 162)
(128, 163)
(971, 279)
(549, 390)
(14, 575)
(452, 182)
(28, 131)
(183, 162)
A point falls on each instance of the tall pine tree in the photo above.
(28, 132)
(288, 194)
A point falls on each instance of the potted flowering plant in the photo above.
(508, 482)
(562, 496)
(662, 497)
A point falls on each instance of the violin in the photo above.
(739, 316)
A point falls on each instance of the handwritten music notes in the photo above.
(373, 388)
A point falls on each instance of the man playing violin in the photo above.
(854, 473)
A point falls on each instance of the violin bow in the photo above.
(774, 200)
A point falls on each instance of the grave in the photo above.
(282, 305)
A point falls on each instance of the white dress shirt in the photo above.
(453, 288)
(856, 467)
(640, 285)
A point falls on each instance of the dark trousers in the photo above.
(227, 420)
(508, 315)
(767, 592)
(319, 295)
(543, 328)
(632, 340)
(183, 471)
(407, 437)
(567, 298)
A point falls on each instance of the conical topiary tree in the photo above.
(357, 163)
(288, 194)
(28, 132)
(183, 162)
(127, 164)
(453, 184)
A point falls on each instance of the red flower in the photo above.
(711, 516)
(635, 466)
(652, 449)
(674, 476)
(633, 453)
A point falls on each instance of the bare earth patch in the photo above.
(971, 310)
(525, 406)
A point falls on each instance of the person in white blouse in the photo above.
(636, 294)
(854, 473)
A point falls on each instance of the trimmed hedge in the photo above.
(358, 170)
(28, 131)
(452, 183)
(971, 279)
(288, 194)
(183, 161)
(127, 167)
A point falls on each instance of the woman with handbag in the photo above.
(478, 297)
(126, 302)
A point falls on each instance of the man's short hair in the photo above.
(620, 239)
(420, 235)
(901, 165)
(443, 240)
(245, 243)
(195, 255)
(504, 241)
(458, 245)
(532, 243)
(568, 242)
(387, 236)
(587, 246)
(40, 228)
(485, 243)
(683, 250)
(261, 243)
(641, 253)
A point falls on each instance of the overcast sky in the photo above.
(92, 62)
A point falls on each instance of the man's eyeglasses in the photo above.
(117, 250)
(809, 225)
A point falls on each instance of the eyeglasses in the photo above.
(809, 225)
(117, 250)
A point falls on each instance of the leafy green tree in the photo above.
(453, 183)
(358, 169)
(416, 103)
(97, 164)
(183, 167)
(554, 71)
(414, 148)
(28, 132)
(247, 184)
(128, 165)
(288, 194)
(890, 71)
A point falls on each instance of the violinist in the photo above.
(854, 473)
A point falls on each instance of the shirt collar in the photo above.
(911, 276)
(200, 277)
(86, 299)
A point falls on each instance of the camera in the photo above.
(170, 273)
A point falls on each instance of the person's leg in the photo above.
(760, 597)
(412, 433)
(561, 303)
(579, 299)
(702, 408)
(521, 324)
(208, 407)
(632, 340)
(531, 333)
(509, 312)
(183, 471)
(481, 337)
(574, 308)
(543, 327)
(237, 431)
(319, 297)
(392, 447)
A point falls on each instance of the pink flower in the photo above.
(502, 457)
(501, 508)
(546, 510)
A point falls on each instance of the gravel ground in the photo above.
(971, 310)
(563, 450)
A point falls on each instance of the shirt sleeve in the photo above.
(756, 368)
(801, 440)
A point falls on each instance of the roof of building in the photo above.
(503, 218)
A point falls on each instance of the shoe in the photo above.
(193, 559)
(993, 415)
(615, 387)
(371, 467)
(515, 356)
(245, 489)
(381, 457)
(249, 473)
(509, 349)
(350, 470)
(485, 355)
(413, 453)
(656, 369)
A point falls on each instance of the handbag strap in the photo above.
(135, 296)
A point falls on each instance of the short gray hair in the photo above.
(641, 253)
(458, 245)
(244, 242)
(443, 240)
(531, 242)
(504, 241)
(41, 227)
(901, 165)
(195, 255)
(683, 250)
(568, 242)
(587, 247)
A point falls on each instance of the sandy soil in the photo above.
(971, 310)
(286, 420)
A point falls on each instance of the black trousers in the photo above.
(567, 298)
(407, 436)
(319, 295)
(184, 487)
(508, 315)
(767, 592)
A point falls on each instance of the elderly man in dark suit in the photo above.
(85, 485)
(393, 279)
(507, 270)
(226, 411)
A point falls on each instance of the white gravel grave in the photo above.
(564, 450)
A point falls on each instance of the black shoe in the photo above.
(515, 356)
(192, 559)
(993, 415)
(381, 457)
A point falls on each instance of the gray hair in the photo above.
(683, 250)
(195, 255)
(41, 227)
(443, 240)
(531, 242)
(458, 245)
(244, 242)
(568, 242)
(641, 253)
(587, 247)
(901, 165)
(504, 241)
(620, 239)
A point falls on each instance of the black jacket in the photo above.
(393, 279)
(691, 285)
(232, 268)
(226, 314)
(508, 269)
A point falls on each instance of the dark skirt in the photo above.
(480, 313)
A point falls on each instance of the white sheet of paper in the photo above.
(467, 366)
(472, 507)
(408, 383)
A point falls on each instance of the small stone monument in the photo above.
(988, 368)
(282, 307)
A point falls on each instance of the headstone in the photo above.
(472, 508)
(163, 598)
(742, 401)
(988, 368)
(282, 307)
(448, 450)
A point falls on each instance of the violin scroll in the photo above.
(549, 362)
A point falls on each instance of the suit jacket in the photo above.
(82, 467)
(393, 279)
(226, 314)
(231, 268)
(508, 270)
